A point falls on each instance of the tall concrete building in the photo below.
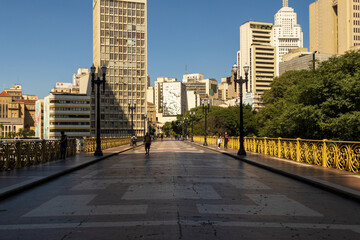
(287, 34)
(334, 26)
(256, 51)
(120, 43)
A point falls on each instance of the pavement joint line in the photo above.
(243, 224)
(324, 185)
(41, 180)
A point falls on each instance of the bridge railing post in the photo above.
(298, 149)
(324, 153)
(279, 147)
(265, 146)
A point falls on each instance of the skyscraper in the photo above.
(334, 26)
(256, 51)
(287, 34)
(120, 43)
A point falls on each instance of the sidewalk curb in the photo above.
(18, 189)
(333, 188)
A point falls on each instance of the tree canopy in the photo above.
(320, 104)
(309, 104)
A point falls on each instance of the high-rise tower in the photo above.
(287, 34)
(120, 43)
(256, 51)
(334, 26)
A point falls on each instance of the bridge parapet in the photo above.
(106, 143)
(342, 155)
(22, 153)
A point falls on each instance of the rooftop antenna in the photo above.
(186, 70)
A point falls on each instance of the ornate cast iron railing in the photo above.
(106, 143)
(340, 155)
(18, 154)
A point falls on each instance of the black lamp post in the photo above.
(192, 118)
(186, 121)
(98, 82)
(132, 108)
(206, 108)
(240, 81)
(144, 117)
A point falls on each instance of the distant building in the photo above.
(81, 84)
(17, 110)
(300, 59)
(174, 99)
(15, 91)
(198, 88)
(194, 77)
(158, 88)
(151, 114)
(39, 119)
(227, 89)
(66, 112)
(287, 34)
(334, 26)
(256, 51)
(150, 95)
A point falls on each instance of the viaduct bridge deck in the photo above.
(179, 191)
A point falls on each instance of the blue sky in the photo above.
(45, 41)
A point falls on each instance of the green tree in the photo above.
(219, 121)
(315, 104)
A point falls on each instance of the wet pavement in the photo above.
(180, 191)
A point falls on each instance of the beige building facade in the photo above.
(302, 60)
(257, 51)
(17, 110)
(120, 43)
(334, 26)
(66, 112)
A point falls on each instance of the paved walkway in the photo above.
(179, 191)
(340, 182)
(18, 180)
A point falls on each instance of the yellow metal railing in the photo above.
(106, 143)
(18, 154)
(340, 155)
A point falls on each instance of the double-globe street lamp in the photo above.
(132, 108)
(206, 108)
(240, 81)
(98, 82)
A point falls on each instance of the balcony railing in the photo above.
(340, 155)
(18, 154)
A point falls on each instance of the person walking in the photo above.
(219, 141)
(63, 145)
(147, 140)
(133, 140)
(226, 140)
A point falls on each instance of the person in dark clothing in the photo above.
(147, 140)
(63, 145)
(226, 140)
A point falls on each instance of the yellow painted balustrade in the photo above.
(21, 153)
(340, 155)
(106, 143)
